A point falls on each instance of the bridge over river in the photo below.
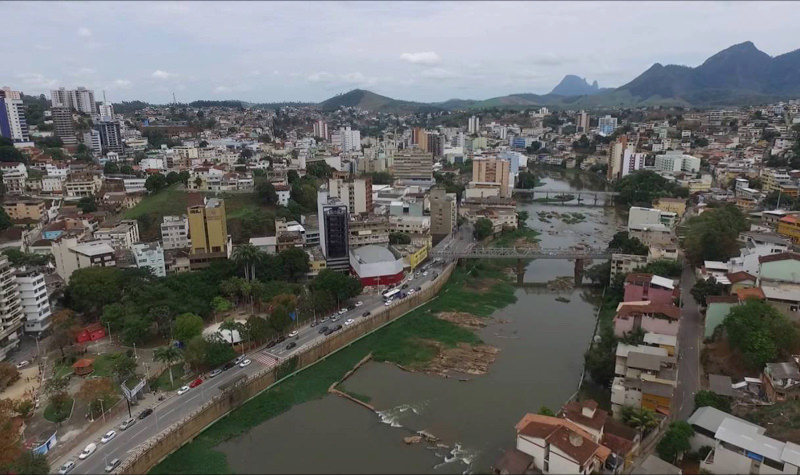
(583, 197)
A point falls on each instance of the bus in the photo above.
(390, 294)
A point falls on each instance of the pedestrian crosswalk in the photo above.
(267, 360)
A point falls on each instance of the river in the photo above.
(541, 341)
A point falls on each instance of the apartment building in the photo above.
(62, 125)
(13, 124)
(369, 230)
(495, 171)
(208, 229)
(34, 300)
(120, 235)
(356, 194)
(676, 161)
(11, 314)
(150, 256)
(25, 209)
(79, 185)
(773, 178)
(80, 99)
(175, 232)
(444, 213)
(413, 164)
(70, 255)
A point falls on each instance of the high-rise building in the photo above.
(81, 99)
(12, 116)
(413, 164)
(493, 170)
(110, 137)
(346, 140)
(321, 129)
(444, 215)
(92, 140)
(333, 231)
(175, 232)
(356, 193)
(419, 138)
(582, 122)
(436, 144)
(616, 151)
(631, 161)
(474, 125)
(11, 314)
(208, 230)
(62, 125)
(33, 297)
(106, 111)
(606, 125)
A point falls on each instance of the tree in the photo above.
(713, 235)
(11, 154)
(600, 358)
(218, 352)
(56, 389)
(64, 330)
(624, 244)
(168, 354)
(675, 441)
(280, 319)
(258, 329)
(24, 407)
(126, 170)
(87, 204)
(704, 288)
(94, 390)
(10, 437)
(483, 229)
(110, 168)
(188, 326)
(155, 183)
(294, 263)
(643, 187)
(527, 180)
(399, 238)
(663, 267)
(341, 287)
(546, 411)
(600, 274)
(265, 191)
(220, 304)
(760, 333)
(292, 177)
(641, 419)
(705, 398)
(195, 351)
(91, 288)
(5, 220)
(319, 169)
(246, 256)
(123, 367)
(184, 177)
(172, 178)
(229, 326)
(246, 154)
(29, 463)
(8, 375)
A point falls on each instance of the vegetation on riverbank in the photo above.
(480, 291)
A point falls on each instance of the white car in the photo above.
(343, 311)
(22, 364)
(424, 274)
(359, 303)
(245, 363)
(293, 334)
(67, 467)
(411, 291)
(349, 321)
(183, 390)
(334, 318)
(387, 303)
(127, 423)
(108, 436)
(89, 450)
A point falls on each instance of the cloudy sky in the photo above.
(416, 50)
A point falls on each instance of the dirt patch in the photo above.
(525, 243)
(462, 319)
(561, 283)
(464, 359)
(782, 420)
(718, 358)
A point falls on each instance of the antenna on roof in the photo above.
(174, 101)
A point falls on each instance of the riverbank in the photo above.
(478, 293)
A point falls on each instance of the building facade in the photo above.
(175, 232)
(35, 303)
(334, 231)
(444, 213)
(209, 233)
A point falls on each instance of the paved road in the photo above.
(689, 340)
(175, 407)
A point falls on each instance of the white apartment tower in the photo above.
(321, 129)
(175, 232)
(12, 116)
(474, 125)
(11, 315)
(81, 99)
(35, 303)
(347, 140)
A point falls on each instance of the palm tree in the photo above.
(230, 326)
(246, 256)
(167, 354)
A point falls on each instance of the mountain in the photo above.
(573, 85)
(372, 102)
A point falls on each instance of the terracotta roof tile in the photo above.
(782, 256)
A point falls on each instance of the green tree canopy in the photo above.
(704, 288)
(628, 245)
(155, 183)
(110, 168)
(87, 204)
(341, 287)
(399, 238)
(483, 228)
(675, 441)
(643, 187)
(713, 235)
(188, 326)
(760, 332)
(294, 263)
(705, 398)
(265, 191)
(527, 180)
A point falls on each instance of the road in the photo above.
(689, 340)
(176, 407)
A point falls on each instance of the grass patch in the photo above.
(62, 370)
(162, 382)
(573, 218)
(172, 200)
(510, 238)
(52, 415)
(102, 365)
(398, 342)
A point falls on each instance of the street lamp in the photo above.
(102, 410)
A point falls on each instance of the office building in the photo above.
(321, 130)
(347, 140)
(413, 164)
(492, 170)
(209, 232)
(419, 138)
(11, 314)
(175, 232)
(34, 300)
(81, 99)
(677, 161)
(582, 124)
(444, 217)
(62, 125)
(334, 233)
(13, 125)
(110, 137)
(606, 125)
(356, 194)
(474, 125)
(436, 145)
(106, 111)
(616, 152)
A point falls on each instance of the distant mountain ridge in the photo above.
(573, 85)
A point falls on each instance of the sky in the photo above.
(310, 51)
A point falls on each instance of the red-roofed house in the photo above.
(740, 280)
(559, 446)
(649, 316)
(639, 287)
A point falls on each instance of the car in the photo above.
(215, 373)
(418, 289)
(238, 359)
(313, 324)
(435, 275)
(424, 274)
(280, 340)
(145, 413)
(323, 320)
(323, 329)
(359, 303)
(343, 311)
(196, 382)
(328, 331)
(349, 321)
(337, 328)
(23, 364)
(291, 345)
(405, 286)
(351, 307)
(228, 365)
(334, 318)
(387, 303)
(87, 451)
(108, 436)
(293, 334)
(245, 363)
(366, 314)
(127, 423)
(411, 291)
(67, 467)
(114, 463)
(272, 343)
(183, 390)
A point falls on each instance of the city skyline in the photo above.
(267, 52)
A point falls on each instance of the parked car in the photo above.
(87, 451)
(293, 334)
(238, 359)
(228, 365)
(280, 340)
(291, 345)
(387, 303)
(323, 330)
(127, 423)
(272, 343)
(23, 364)
(67, 467)
(405, 286)
(323, 320)
(245, 363)
(328, 331)
(343, 311)
(334, 318)
(183, 390)
(108, 436)
(145, 413)
(425, 273)
(313, 324)
(114, 463)
(359, 303)
(349, 321)
(366, 314)
(418, 289)
(337, 328)
(196, 382)
(411, 291)
(215, 373)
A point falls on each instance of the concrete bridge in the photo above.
(583, 197)
(522, 254)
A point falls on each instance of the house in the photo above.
(718, 307)
(645, 376)
(650, 317)
(283, 192)
(626, 263)
(587, 416)
(267, 244)
(559, 446)
(781, 381)
(653, 465)
(781, 268)
(667, 342)
(640, 287)
(741, 279)
(513, 462)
